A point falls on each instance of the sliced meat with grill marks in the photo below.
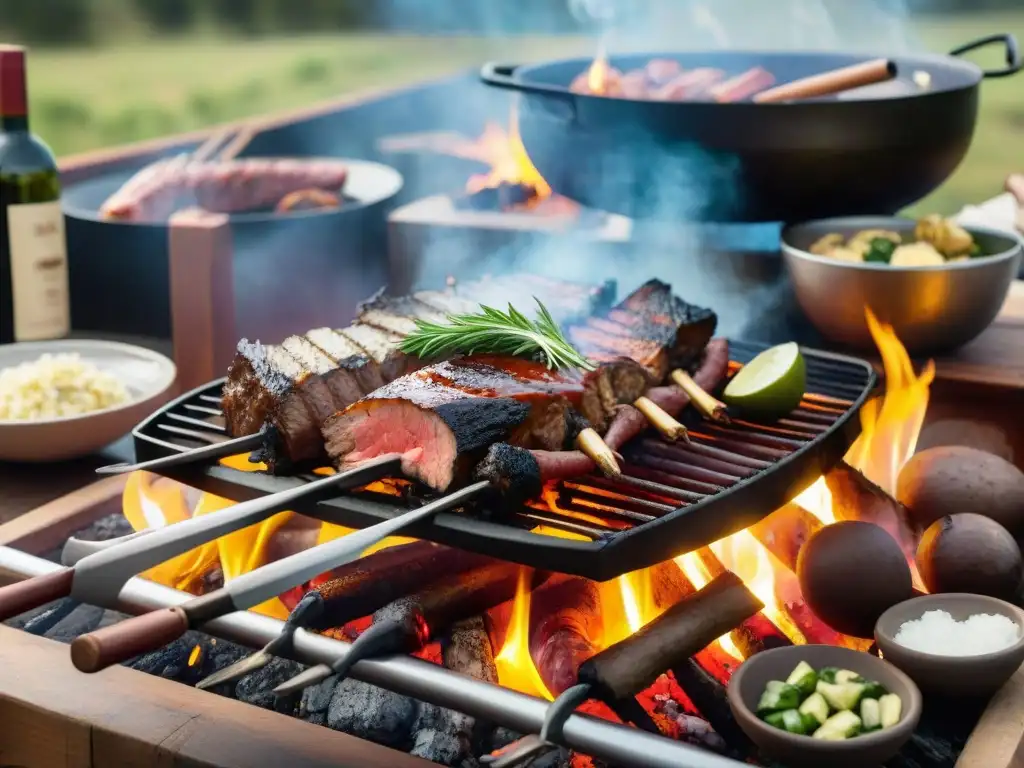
(439, 429)
(448, 303)
(381, 347)
(397, 314)
(651, 326)
(355, 373)
(266, 384)
(442, 417)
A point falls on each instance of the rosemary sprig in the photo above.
(498, 333)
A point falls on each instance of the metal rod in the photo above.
(413, 677)
(216, 451)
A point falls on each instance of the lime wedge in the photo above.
(771, 385)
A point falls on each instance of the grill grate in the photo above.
(672, 498)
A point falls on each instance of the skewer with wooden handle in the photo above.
(98, 578)
(618, 673)
(119, 642)
(409, 623)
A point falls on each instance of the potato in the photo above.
(916, 255)
(950, 480)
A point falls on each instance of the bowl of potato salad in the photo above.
(937, 284)
(65, 399)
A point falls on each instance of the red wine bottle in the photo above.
(34, 302)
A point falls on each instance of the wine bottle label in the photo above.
(39, 271)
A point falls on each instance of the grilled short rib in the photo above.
(652, 326)
(293, 386)
(444, 417)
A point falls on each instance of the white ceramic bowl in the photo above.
(147, 375)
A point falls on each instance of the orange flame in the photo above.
(890, 424)
(516, 669)
(509, 163)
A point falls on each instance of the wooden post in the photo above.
(202, 295)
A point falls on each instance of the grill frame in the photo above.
(609, 553)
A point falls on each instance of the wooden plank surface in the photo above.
(998, 739)
(48, 527)
(996, 357)
(52, 716)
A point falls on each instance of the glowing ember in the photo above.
(193, 658)
(516, 669)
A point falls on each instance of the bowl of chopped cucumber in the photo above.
(815, 705)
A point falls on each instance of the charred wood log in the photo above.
(443, 735)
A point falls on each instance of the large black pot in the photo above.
(875, 151)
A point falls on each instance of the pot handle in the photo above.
(501, 76)
(1013, 59)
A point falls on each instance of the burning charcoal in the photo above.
(188, 659)
(558, 758)
(368, 712)
(257, 688)
(43, 619)
(501, 738)
(316, 700)
(504, 197)
(438, 737)
(83, 619)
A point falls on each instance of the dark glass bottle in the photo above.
(34, 302)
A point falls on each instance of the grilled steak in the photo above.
(442, 418)
(651, 326)
(295, 385)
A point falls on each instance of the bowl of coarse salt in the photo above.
(69, 398)
(954, 644)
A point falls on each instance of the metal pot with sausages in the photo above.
(732, 136)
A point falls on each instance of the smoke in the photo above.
(726, 267)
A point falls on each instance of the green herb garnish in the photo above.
(880, 249)
(497, 333)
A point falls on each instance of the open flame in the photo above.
(598, 74)
(509, 163)
(515, 666)
(890, 424)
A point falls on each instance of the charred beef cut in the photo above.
(292, 384)
(651, 326)
(442, 418)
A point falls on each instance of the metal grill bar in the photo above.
(617, 744)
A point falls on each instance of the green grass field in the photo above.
(93, 98)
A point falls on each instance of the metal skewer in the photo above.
(534, 745)
(97, 578)
(218, 450)
(116, 643)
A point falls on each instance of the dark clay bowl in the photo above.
(976, 676)
(749, 681)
